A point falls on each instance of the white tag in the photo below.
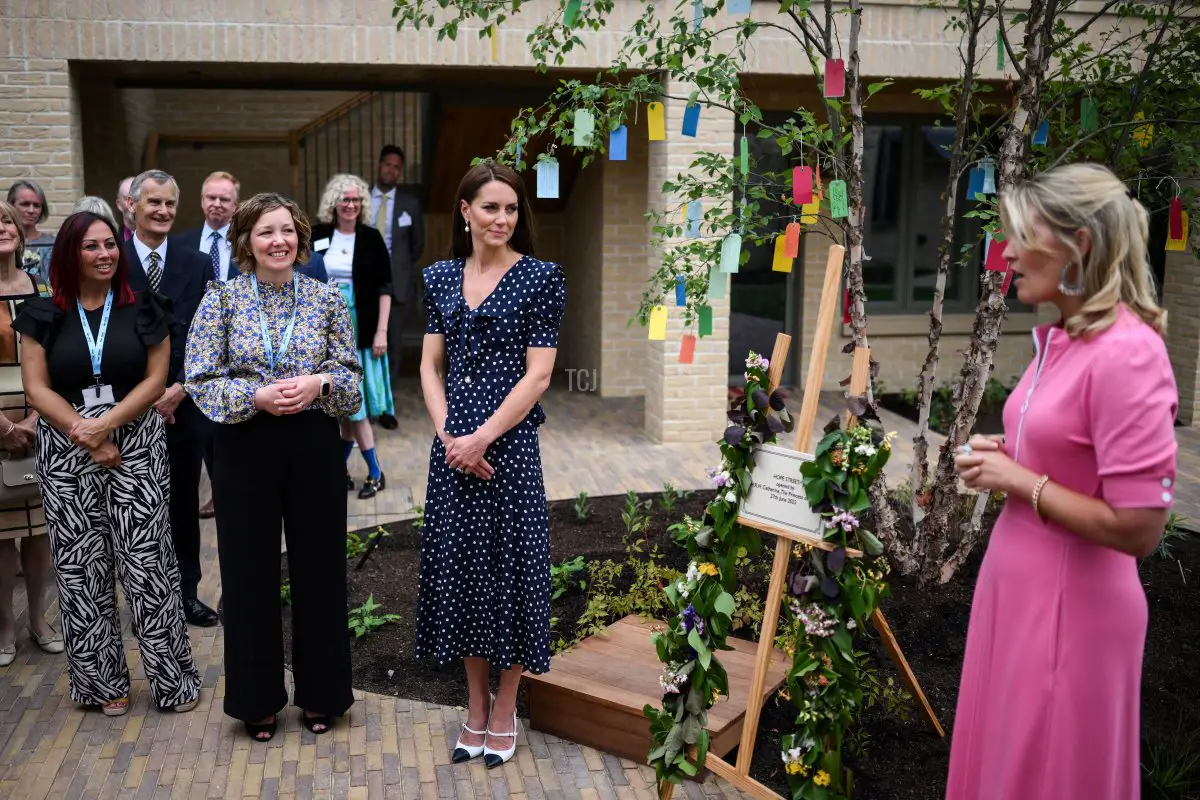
(98, 396)
(321, 245)
(404, 220)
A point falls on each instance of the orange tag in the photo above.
(687, 348)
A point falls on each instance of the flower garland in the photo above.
(829, 598)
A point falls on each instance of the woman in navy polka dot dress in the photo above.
(494, 313)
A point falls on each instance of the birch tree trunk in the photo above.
(946, 255)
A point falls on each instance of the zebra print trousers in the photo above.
(100, 519)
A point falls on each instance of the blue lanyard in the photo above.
(272, 359)
(96, 346)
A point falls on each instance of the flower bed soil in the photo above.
(903, 760)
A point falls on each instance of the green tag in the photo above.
(705, 320)
(837, 199)
(999, 50)
(745, 157)
(717, 283)
(571, 12)
(1089, 115)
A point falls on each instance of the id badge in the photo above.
(100, 395)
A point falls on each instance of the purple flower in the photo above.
(692, 619)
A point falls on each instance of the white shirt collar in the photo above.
(375, 192)
(223, 232)
(143, 250)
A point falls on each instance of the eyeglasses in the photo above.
(350, 201)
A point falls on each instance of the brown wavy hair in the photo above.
(246, 217)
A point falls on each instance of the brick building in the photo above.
(284, 92)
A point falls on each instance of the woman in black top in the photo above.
(102, 465)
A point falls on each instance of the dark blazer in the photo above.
(408, 243)
(185, 274)
(369, 274)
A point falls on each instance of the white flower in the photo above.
(764, 363)
(851, 624)
(867, 450)
(730, 497)
(693, 572)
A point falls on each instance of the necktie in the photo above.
(214, 253)
(154, 270)
(381, 214)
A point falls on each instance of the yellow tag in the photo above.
(495, 43)
(781, 262)
(1179, 245)
(809, 211)
(1143, 134)
(657, 121)
(658, 323)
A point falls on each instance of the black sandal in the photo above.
(256, 731)
(312, 722)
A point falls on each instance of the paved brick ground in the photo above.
(388, 747)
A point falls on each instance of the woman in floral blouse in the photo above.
(271, 357)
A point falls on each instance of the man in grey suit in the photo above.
(397, 215)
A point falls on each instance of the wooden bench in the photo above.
(594, 694)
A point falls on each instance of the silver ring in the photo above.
(965, 450)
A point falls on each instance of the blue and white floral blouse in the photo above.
(226, 361)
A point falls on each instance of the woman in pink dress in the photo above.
(1049, 704)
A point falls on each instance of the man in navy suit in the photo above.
(180, 273)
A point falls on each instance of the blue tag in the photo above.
(989, 176)
(1042, 135)
(691, 119)
(731, 252)
(680, 290)
(547, 179)
(618, 144)
(518, 158)
(975, 186)
(694, 211)
(737, 7)
(697, 14)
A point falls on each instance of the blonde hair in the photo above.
(8, 210)
(1116, 268)
(337, 186)
(246, 217)
(221, 175)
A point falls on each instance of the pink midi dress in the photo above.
(1049, 703)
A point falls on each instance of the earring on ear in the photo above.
(1067, 286)
(467, 227)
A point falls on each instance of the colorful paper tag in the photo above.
(687, 348)
(846, 306)
(1041, 136)
(585, 125)
(820, 188)
(547, 178)
(1175, 218)
(791, 235)
(988, 166)
(994, 262)
(744, 157)
(680, 290)
(1000, 47)
(838, 201)
(835, 77)
(717, 284)
(618, 144)
(495, 42)
(697, 14)
(737, 7)
(1179, 244)
(691, 119)
(1143, 134)
(802, 185)
(780, 262)
(1008, 277)
(656, 121)
(658, 323)
(705, 320)
(571, 12)
(1089, 115)
(695, 210)
(731, 252)
(809, 212)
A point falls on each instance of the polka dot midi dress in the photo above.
(485, 546)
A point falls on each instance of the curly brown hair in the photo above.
(246, 217)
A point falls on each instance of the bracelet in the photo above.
(12, 426)
(1037, 494)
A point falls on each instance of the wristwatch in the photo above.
(325, 386)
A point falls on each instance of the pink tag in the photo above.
(687, 348)
(802, 185)
(791, 243)
(995, 257)
(835, 77)
(1007, 282)
(846, 307)
(1175, 218)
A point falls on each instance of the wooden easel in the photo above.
(739, 774)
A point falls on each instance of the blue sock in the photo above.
(372, 463)
(349, 448)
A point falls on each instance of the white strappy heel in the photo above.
(464, 752)
(493, 757)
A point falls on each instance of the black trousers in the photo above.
(271, 473)
(185, 455)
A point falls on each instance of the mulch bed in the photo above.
(903, 759)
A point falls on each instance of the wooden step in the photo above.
(594, 693)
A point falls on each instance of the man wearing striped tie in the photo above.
(165, 266)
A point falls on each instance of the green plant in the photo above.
(671, 496)
(364, 619)
(567, 575)
(636, 517)
(357, 545)
(1171, 766)
(1174, 532)
(893, 700)
(581, 511)
(285, 592)
(419, 520)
